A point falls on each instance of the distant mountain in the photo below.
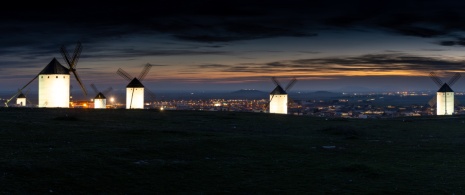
(249, 91)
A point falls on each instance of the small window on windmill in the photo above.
(41, 77)
(48, 77)
(57, 76)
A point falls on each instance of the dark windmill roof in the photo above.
(278, 91)
(21, 95)
(100, 96)
(445, 88)
(135, 83)
(54, 67)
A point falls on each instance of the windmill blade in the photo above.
(124, 74)
(107, 90)
(94, 88)
(275, 81)
(79, 81)
(144, 71)
(432, 101)
(436, 79)
(151, 95)
(454, 79)
(27, 92)
(65, 55)
(30, 103)
(291, 84)
(76, 55)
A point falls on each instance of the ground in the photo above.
(187, 152)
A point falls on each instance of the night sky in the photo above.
(231, 45)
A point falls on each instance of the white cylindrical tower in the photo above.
(445, 101)
(278, 101)
(135, 95)
(54, 84)
(21, 100)
(100, 101)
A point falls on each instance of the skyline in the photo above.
(209, 45)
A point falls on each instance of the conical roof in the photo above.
(278, 91)
(100, 96)
(445, 88)
(54, 67)
(135, 83)
(21, 95)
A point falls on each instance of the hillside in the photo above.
(150, 152)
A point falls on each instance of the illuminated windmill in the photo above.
(54, 81)
(279, 97)
(100, 101)
(21, 99)
(135, 89)
(444, 99)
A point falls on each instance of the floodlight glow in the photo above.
(445, 103)
(21, 101)
(100, 103)
(134, 98)
(278, 104)
(54, 90)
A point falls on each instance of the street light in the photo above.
(112, 100)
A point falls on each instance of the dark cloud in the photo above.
(213, 21)
(213, 66)
(131, 53)
(363, 63)
(460, 41)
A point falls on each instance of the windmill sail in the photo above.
(72, 62)
(135, 89)
(444, 98)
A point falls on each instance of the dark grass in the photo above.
(152, 152)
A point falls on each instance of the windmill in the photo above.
(54, 81)
(100, 101)
(279, 97)
(135, 89)
(21, 99)
(444, 99)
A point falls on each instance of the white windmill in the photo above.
(444, 99)
(100, 101)
(279, 97)
(54, 80)
(22, 99)
(135, 89)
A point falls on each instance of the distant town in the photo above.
(318, 104)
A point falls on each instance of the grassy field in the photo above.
(147, 151)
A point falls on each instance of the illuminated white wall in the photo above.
(137, 98)
(445, 102)
(278, 104)
(100, 103)
(54, 90)
(21, 101)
